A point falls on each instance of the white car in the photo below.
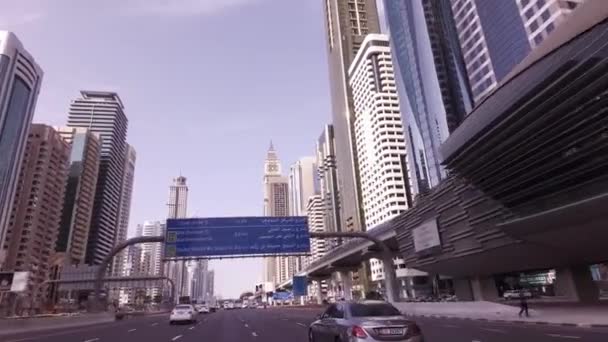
(202, 309)
(183, 313)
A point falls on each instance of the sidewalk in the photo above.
(566, 315)
(17, 325)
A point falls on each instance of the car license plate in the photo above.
(391, 331)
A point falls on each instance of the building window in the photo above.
(529, 13)
(538, 39)
(546, 15)
(540, 3)
(533, 26)
(524, 3)
(550, 28)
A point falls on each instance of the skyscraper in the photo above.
(80, 192)
(303, 183)
(178, 198)
(383, 167)
(328, 182)
(431, 79)
(276, 203)
(103, 113)
(496, 36)
(347, 23)
(177, 206)
(125, 206)
(34, 226)
(20, 79)
(316, 223)
(152, 252)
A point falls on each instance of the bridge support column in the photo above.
(576, 283)
(347, 284)
(484, 288)
(319, 290)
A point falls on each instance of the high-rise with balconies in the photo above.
(20, 79)
(385, 175)
(103, 113)
(125, 206)
(34, 224)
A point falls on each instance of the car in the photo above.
(364, 321)
(203, 309)
(515, 294)
(182, 313)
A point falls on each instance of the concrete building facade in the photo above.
(20, 79)
(35, 219)
(347, 22)
(80, 192)
(103, 113)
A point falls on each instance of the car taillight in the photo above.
(413, 330)
(357, 331)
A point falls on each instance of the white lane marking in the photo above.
(131, 330)
(254, 334)
(449, 326)
(494, 330)
(154, 324)
(176, 338)
(191, 328)
(285, 319)
(476, 341)
(92, 340)
(301, 324)
(246, 325)
(564, 336)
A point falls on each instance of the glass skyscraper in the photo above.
(20, 79)
(433, 86)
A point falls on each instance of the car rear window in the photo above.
(183, 307)
(373, 310)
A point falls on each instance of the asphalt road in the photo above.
(279, 325)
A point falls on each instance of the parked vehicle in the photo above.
(183, 313)
(365, 321)
(515, 294)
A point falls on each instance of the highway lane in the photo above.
(279, 325)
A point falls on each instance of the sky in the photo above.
(206, 85)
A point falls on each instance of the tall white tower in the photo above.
(177, 207)
(276, 203)
(381, 152)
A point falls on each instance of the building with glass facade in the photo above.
(433, 85)
(103, 113)
(80, 192)
(495, 36)
(20, 79)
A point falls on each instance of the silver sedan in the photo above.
(365, 321)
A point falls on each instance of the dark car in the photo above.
(365, 321)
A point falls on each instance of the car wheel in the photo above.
(311, 336)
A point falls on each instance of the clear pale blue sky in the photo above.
(206, 84)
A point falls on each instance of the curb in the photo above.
(503, 321)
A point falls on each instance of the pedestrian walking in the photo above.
(523, 304)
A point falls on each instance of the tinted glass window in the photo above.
(373, 310)
(10, 132)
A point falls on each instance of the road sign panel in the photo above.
(300, 285)
(236, 236)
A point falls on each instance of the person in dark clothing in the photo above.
(523, 304)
